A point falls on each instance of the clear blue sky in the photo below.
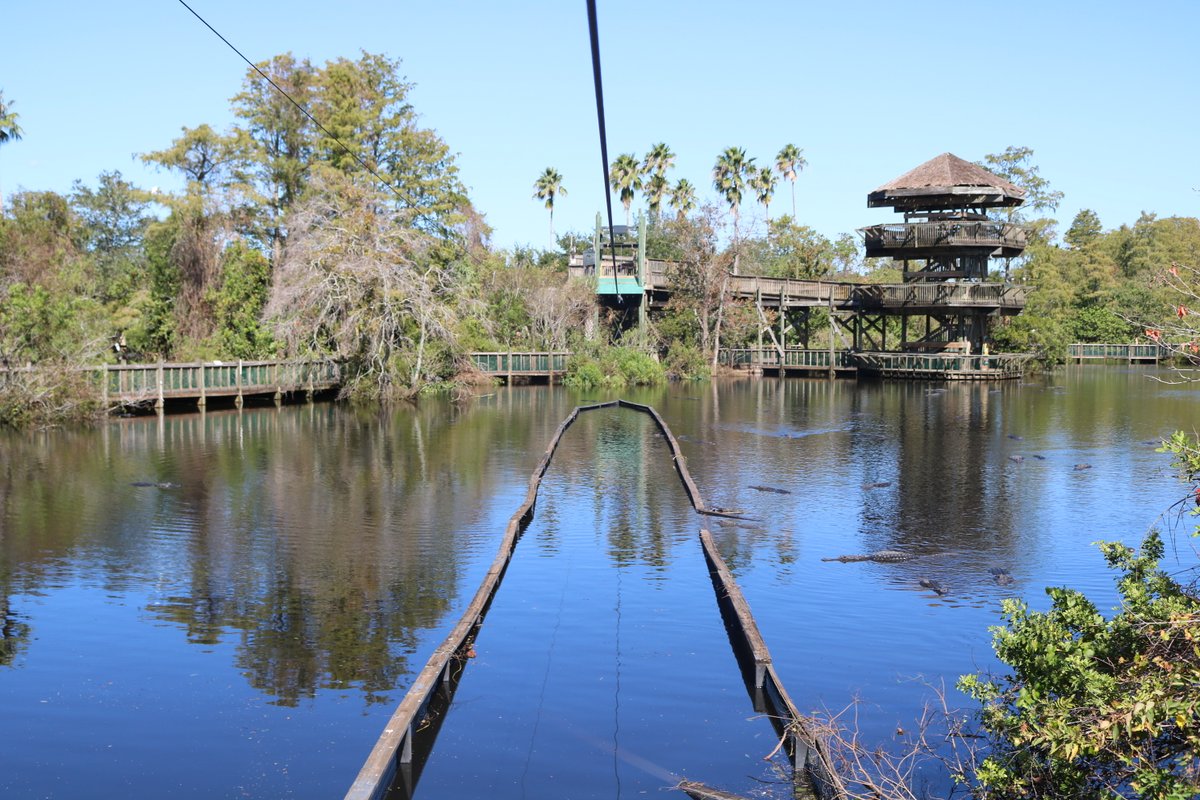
(1104, 92)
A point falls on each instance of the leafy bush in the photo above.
(613, 368)
(685, 362)
(1097, 707)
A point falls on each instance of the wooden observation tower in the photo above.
(944, 247)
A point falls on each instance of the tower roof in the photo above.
(946, 181)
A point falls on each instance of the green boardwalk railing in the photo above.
(145, 383)
(1116, 352)
(521, 363)
(793, 358)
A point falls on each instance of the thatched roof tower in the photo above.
(943, 183)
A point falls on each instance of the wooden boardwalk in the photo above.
(518, 364)
(155, 384)
(1129, 353)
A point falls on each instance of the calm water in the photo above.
(248, 633)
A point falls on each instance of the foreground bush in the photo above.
(1097, 707)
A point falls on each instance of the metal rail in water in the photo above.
(408, 737)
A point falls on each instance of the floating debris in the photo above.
(1017, 438)
(154, 485)
(1016, 459)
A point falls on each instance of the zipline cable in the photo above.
(593, 30)
(299, 107)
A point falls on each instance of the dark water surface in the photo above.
(249, 632)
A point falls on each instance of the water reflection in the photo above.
(310, 558)
(320, 541)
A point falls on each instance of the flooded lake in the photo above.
(244, 625)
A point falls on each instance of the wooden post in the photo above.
(832, 333)
(238, 380)
(202, 402)
(160, 403)
(104, 387)
(510, 367)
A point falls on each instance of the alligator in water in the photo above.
(160, 485)
(1082, 467)
(877, 485)
(879, 556)
(933, 586)
(770, 489)
(1001, 576)
(698, 791)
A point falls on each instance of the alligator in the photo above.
(698, 791)
(1016, 459)
(160, 485)
(1001, 576)
(879, 556)
(933, 586)
(1082, 467)
(770, 489)
(878, 485)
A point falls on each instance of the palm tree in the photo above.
(789, 163)
(10, 131)
(656, 189)
(729, 179)
(658, 160)
(763, 183)
(548, 186)
(625, 176)
(683, 197)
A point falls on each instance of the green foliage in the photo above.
(1097, 707)
(238, 304)
(1085, 229)
(613, 368)
(10, 131)
(113, 218)
(791, 251)
(1185, 451)
(1096, 324)
(625, 177)
(41, 326)
(685, 362)
(1043, 336)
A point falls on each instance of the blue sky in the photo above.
(1104, 92)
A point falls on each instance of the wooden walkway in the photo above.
(392, 760)
(791, 360)
(515, 364)
(155, 384)
(1129, 353)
